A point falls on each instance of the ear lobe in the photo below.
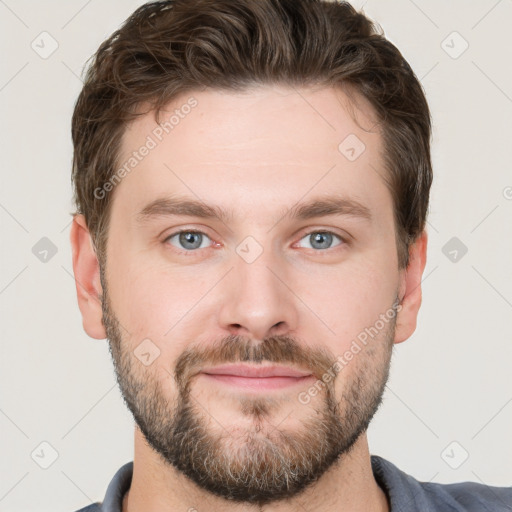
(410, 289)
(87, 278)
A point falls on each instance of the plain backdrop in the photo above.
(447, 412)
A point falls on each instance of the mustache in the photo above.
(237, 349)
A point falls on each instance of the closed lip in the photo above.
(241, 370)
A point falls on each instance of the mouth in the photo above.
(256, 377)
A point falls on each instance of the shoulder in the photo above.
(113, 500)
(95, 507)
(471, 496)
(407, 493)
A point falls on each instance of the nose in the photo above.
(258, 299)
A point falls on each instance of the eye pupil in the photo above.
(187, 237)
(324, 240)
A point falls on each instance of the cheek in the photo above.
(149, 299)
(353, 297)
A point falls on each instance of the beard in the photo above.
(262, 463)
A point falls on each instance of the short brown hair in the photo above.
(167, 48)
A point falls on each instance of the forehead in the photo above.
(264, 147)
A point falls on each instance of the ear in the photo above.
(410, 289)
(87, 278)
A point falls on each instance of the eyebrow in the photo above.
(319, 207)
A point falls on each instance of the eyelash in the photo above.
(343, 240)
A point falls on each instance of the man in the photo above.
(252, 182)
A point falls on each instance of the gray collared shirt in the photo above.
(405, 494)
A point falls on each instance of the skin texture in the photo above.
(301, 302)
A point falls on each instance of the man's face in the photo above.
(261, 286)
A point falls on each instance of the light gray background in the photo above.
(450, 381)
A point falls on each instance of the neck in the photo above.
(347, 485)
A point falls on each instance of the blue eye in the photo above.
(321, 240)
(189, 240)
